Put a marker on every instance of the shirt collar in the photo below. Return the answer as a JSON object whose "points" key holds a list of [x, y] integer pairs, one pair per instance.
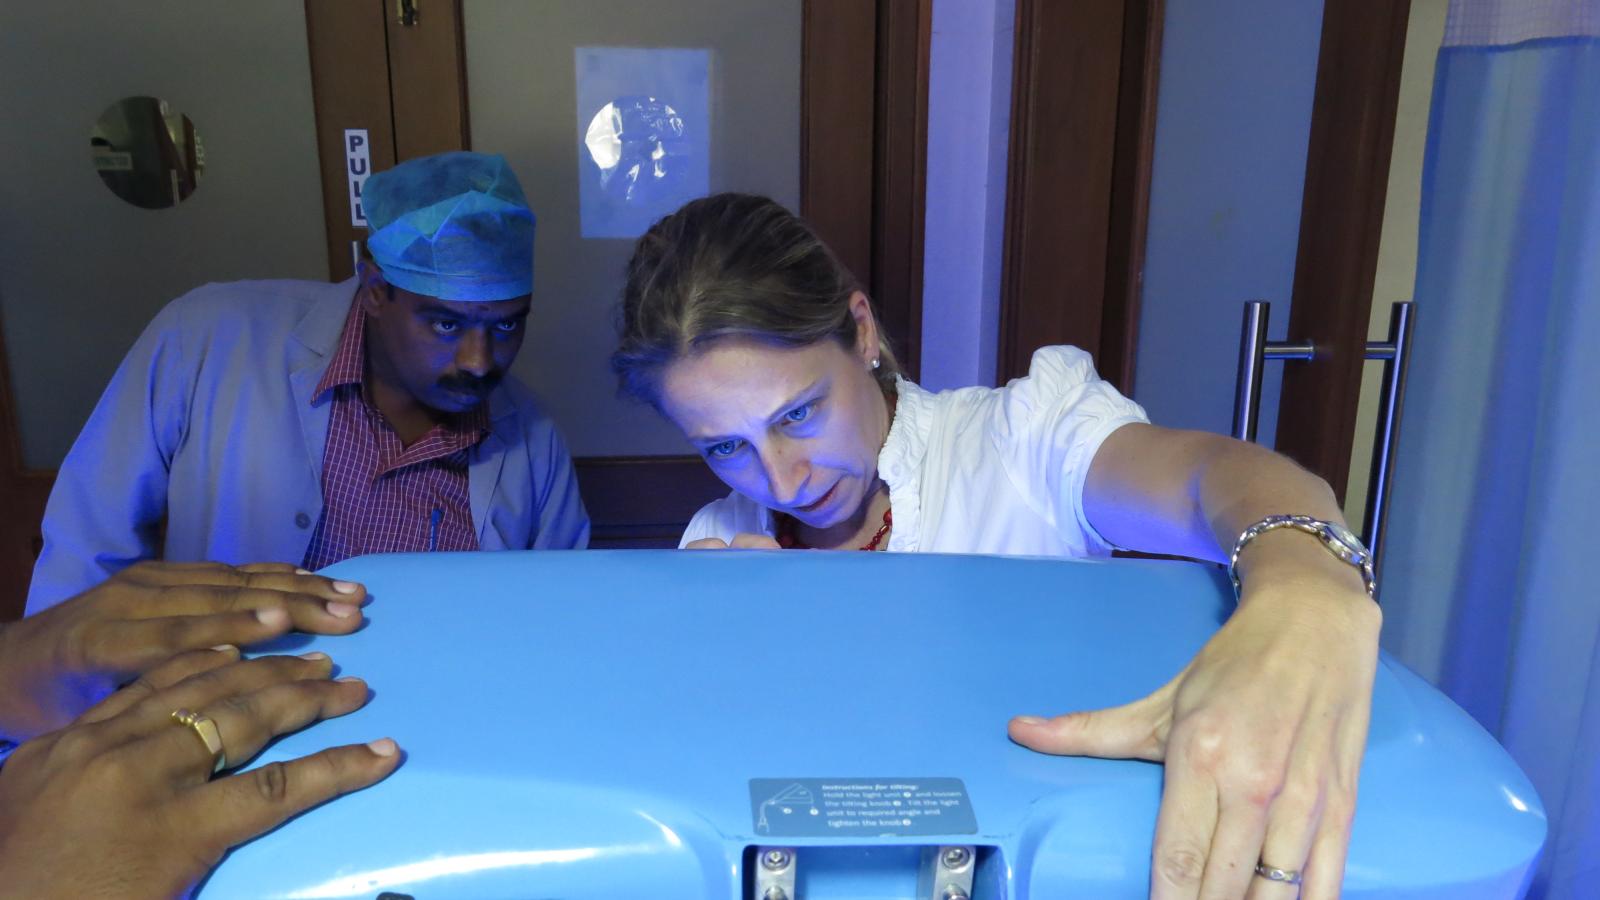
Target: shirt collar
{"points": [[346, 367], [907, 442]]}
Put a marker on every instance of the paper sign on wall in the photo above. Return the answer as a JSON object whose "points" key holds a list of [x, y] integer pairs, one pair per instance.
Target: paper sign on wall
{"points": [[358, 165], [644, 135]]}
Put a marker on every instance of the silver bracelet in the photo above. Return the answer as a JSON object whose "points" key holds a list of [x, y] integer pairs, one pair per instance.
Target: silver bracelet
{"points": [[1339, 540]]}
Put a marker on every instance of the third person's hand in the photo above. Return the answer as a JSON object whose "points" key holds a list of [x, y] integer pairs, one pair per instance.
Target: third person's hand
{"points": [[56, 663]]}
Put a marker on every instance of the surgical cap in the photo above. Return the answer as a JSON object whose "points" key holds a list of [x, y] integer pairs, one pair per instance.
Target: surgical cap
{"points": [[454, 226]]}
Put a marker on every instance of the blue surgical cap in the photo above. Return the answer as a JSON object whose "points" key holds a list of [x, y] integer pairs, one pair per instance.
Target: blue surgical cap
{"points": [[453, 226]]}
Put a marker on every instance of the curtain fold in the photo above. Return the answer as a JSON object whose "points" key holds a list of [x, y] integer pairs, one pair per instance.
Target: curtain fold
{"points": [[1492, 562]]}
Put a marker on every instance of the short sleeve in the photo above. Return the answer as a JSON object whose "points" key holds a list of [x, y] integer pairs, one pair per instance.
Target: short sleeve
{"points": [[1047, 429]]}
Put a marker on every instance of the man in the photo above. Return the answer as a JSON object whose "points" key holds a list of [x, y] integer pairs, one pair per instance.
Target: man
{"points": [[304, 423]]}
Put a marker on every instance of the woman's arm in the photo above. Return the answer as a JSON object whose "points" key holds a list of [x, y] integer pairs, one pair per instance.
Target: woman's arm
{"points": [[1262, 733], [1191, 493]]}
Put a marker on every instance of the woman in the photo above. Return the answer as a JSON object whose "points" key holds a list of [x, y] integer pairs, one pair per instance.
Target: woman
{"points": [[744, 330]]}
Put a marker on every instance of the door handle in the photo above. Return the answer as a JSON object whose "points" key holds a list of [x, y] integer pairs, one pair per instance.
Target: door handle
{"points": [[407, 10], [1255, 350], [1396, 353]]}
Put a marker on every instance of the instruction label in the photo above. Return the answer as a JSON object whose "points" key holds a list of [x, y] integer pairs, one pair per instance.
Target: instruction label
{"points": [[860, 807]]}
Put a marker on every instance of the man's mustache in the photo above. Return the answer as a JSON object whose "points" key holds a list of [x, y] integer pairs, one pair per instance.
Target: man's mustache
{"points": [[463, 382]]}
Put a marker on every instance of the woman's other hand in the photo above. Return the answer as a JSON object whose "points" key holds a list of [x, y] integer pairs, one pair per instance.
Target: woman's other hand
{"points": [[1262, 736], [741, 541]]}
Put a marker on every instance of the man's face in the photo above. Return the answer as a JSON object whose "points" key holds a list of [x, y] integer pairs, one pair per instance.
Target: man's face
{"points": [[447, 354]]}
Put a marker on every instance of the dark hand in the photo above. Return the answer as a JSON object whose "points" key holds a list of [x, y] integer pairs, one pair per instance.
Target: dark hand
{"points": [[122, 803], [54, 664]]}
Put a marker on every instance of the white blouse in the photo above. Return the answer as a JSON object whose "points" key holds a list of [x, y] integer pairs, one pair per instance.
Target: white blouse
{"points": [[982, 470]]}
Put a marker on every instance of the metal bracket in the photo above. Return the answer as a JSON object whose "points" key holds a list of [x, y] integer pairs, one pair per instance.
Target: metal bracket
{"points": [[407, 10], [947, 873], [775, 873]]}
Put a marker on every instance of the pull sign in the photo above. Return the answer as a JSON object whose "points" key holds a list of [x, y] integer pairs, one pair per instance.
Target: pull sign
{"points": [[358, 165]]}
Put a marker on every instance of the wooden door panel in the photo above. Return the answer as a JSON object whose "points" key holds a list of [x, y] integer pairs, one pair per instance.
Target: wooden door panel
{"points": [[1078, 182], [1341, 221]]}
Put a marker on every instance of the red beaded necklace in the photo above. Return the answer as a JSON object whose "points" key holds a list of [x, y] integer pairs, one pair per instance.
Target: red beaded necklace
{"points": [[788, 540]]}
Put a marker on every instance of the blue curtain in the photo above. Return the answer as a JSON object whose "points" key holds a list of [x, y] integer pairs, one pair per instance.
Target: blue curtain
{"points": [[1492, 569]]}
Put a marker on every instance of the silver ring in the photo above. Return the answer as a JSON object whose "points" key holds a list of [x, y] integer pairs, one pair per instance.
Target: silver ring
{"points": [[1272, 873]]}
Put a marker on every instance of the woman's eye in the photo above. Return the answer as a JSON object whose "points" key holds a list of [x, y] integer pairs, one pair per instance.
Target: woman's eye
{"points": [[442, 326], [723, 450], [798, 414]]}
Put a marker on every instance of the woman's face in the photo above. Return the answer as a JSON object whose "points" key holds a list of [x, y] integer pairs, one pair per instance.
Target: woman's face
{"points": [[797, 430]]}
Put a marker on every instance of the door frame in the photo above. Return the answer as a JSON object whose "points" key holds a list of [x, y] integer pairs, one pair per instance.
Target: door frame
{"points": [[23, 493], [1083, 115], [1341, 224]]}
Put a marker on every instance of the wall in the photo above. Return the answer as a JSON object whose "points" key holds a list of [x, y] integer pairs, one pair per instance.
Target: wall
{"points": [[522, 88], [969, 117], [82, 272], [1397, 250], [1232, 123]]}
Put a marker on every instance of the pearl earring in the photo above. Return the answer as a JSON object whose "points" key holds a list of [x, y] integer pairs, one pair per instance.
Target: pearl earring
{"points": [[875, 364]]}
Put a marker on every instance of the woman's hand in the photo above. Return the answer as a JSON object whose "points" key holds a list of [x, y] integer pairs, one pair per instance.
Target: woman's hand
{"points": [[56, 663], [741, 541], [122, 802], [1262, 735]]}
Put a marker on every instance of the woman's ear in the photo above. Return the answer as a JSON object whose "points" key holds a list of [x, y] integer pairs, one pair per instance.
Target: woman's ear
{"points": [[866, 327]]}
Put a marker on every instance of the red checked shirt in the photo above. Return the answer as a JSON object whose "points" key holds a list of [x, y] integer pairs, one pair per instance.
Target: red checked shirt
{"points": [[377, 495]]}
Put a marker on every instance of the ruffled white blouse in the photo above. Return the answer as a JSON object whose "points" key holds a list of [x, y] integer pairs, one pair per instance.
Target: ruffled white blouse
{"points": [[982, 470]]}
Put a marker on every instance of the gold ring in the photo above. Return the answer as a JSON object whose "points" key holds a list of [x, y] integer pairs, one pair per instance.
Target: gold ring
{"points": [[207, 730]]}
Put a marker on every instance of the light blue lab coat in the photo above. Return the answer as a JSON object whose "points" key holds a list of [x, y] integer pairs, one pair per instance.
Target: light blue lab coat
{"points": [[209, 423]]}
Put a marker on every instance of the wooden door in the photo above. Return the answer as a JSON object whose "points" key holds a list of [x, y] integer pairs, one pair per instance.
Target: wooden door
{"points": [[1077, 197], [1341, 221], [1082, 132]]}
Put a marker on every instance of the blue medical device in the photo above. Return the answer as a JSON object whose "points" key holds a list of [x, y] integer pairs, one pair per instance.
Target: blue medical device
{"points": [[810, 726]]}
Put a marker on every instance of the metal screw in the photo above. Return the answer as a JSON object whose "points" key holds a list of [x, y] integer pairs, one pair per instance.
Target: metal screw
{"points": [[954, 893], [775, 861], [777, 893], [957, 858]]}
